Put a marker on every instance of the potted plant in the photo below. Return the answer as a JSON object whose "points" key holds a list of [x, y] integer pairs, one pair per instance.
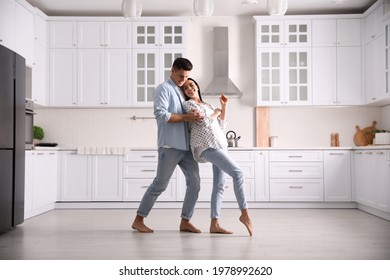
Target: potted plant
{"points": [[38, 133]]}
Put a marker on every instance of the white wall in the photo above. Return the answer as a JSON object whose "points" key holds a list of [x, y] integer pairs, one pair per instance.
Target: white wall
{"points": [[296, 127]]}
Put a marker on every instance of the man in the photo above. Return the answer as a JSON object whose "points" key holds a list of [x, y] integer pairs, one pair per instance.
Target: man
{"points": [[173, 148]]}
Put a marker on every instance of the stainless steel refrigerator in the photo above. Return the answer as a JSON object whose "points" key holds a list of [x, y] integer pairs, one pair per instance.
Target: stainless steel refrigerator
{"points": [[12, 138]]}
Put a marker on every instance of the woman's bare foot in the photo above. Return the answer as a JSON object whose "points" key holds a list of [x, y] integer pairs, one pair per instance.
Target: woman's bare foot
{"points": [[185, 225], [139, 225], [216, 228], [244, 218]]}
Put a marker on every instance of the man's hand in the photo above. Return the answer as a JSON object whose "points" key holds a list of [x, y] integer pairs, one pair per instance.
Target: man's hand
{"points": [[194, 116]]}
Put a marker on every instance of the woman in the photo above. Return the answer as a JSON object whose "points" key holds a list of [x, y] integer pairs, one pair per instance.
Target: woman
{"points": [[208, 144]]}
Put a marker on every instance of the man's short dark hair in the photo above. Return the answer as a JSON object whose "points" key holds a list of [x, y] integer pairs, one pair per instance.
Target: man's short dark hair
{"points": [[182, 63]]}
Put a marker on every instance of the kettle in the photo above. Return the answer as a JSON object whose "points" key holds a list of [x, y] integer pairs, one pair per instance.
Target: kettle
{"points": [[232, 138]]}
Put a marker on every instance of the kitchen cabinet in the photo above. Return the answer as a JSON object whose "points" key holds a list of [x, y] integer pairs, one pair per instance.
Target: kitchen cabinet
{"points": [[261, 176], [283, 76], [106, 34], [151, 67], [246, 161], [139, 169], [373, 24], [296, 176], [337, 176], [7, 23], [387, 57], [91, 177], [161, 34], [279, 33], [375, 70], [372, 179], [24, 32], [337, 62], [41, 177], [63, 34], [39, 73]]}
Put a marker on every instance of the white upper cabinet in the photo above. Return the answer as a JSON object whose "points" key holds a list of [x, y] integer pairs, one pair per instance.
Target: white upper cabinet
{"points": [[337, 32], [373, 24], [24, 33], [387, 57], [104, 35], [63, 34], [375, 70], [40, 29], [7, 23], [159, 34], [278, 33], [337, 62]]}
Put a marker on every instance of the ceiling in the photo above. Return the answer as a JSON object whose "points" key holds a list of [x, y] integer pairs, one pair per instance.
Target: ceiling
{"points": [[184, 7]]}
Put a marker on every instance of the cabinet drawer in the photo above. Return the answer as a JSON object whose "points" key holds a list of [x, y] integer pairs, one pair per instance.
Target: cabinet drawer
{"points": [[295, 156], [296, 170], [134, 189], [206, 169], [296, 190], [207, 186], [141, 170], [242, 155], [141, 156]]}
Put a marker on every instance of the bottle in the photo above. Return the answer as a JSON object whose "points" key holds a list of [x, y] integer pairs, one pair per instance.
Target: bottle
{"points": [[337, 139], [332, 140]]}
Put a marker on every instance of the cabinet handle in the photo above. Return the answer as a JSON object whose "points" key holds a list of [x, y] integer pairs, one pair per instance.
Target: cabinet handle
{"points": [[296, 170], [296, 187], [40, 154], [295, 156], [336, 154], [368, 153], [149, 170], [379, 153], [148, 156], [373, 36], [226, 187], [52, 153], [144, 187]]}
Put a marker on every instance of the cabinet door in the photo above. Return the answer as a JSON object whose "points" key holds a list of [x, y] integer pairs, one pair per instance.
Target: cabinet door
{"points": [[324, 76], [28, 186], [375, 67], [383, 184], [118, 34], [337, 176], [107, 178], [40, 30], [44, 179], [39, 76], [146, 35], [298, 76], [349, 32], [90, 77], [90, 34], [366, 182], [24, 33], [7, 23], [118, 77], [146, 77], [373, 24], [63, 34], [324, 32], [261, 176], [63, 77], [297, 33], [75, 177], [167, 58], [173, 34], [270, 76], [349, 75], [270, 33]]}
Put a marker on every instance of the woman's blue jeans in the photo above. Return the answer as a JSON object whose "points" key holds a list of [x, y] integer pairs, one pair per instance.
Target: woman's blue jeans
{"points": [[223, 163], [168, 159]]}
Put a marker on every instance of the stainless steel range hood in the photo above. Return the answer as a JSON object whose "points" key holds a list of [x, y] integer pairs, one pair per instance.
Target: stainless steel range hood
{"points": [[221, 82]]}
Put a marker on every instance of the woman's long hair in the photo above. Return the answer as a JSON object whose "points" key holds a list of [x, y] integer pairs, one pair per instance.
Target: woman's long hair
{"points": [[185, 96]]}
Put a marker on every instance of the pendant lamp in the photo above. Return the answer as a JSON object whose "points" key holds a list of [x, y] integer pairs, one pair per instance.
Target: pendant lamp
{"points": [[203, 8], [131, 9], [277, 7]]}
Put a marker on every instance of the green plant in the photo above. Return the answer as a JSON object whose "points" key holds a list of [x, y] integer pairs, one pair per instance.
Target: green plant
{"points": [[377, 131], [38, 133]]}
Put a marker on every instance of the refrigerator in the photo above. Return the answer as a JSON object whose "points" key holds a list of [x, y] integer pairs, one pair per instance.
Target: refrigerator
{"points": [[12, 138]]}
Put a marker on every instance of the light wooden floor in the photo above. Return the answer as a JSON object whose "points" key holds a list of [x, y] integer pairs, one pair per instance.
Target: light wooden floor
{"points": [[279, 234]]}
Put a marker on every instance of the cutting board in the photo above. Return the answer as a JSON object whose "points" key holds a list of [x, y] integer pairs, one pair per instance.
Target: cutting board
{"points": [[365, 136]]}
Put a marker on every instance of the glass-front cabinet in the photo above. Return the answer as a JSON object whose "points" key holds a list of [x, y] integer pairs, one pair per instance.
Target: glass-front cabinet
{"points": [[277, 33], [283, 76], [153, 66]]}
